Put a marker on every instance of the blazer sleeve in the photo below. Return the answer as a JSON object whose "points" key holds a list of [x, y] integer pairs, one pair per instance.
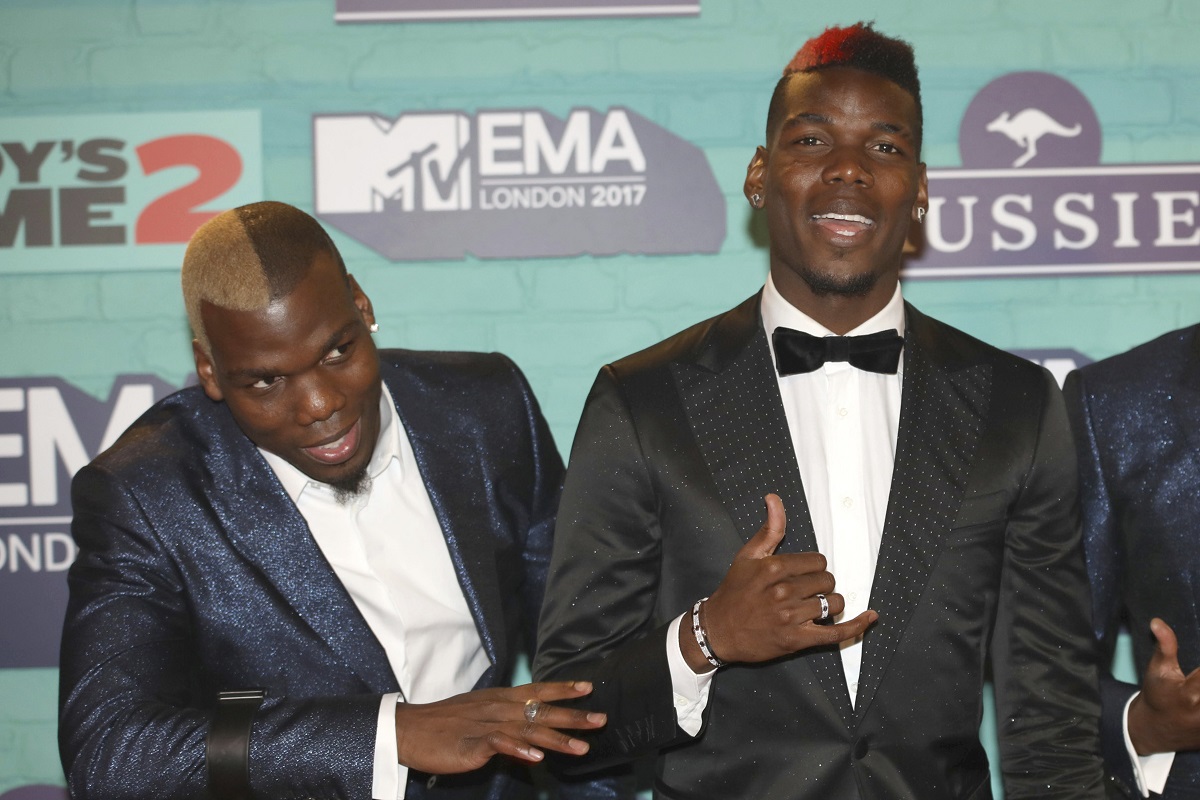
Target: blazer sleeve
{"points": [[1043, 653], [598, 619], [131, 724], [546, 469], [1103, 551]]}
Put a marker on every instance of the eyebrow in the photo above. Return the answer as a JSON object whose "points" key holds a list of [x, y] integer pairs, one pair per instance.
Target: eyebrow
{"points": [[812, 118], [330, 343]]}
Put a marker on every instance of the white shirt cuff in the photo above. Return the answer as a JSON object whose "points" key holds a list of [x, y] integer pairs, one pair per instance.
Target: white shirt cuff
{"points": [[690, 690], [388, 778], [1150, 771]]}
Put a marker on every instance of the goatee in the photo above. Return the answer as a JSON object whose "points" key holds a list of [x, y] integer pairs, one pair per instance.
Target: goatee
{"points": [[824, 284], [352, 486]]}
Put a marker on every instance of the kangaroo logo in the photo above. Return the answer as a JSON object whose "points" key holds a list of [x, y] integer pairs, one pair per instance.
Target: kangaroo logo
{"points": [[1026, 127], [1050, 122]]}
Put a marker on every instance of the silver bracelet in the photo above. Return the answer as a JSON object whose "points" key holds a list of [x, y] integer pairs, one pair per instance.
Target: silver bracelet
{"points": [[702, 637]]}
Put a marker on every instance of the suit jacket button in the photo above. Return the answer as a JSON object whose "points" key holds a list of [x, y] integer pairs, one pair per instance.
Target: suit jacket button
{"points": [[429, 784], [860, 748]]}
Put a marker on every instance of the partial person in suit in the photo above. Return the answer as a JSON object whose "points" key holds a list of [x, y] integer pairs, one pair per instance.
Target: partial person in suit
{"points": [[1136, 418], [354, 541], [932, 474]]}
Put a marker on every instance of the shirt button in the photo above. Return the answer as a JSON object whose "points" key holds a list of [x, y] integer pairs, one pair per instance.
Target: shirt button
{"points": [[681, 701], [429, 784], [847, 502], [852, 596], [843, 412]]}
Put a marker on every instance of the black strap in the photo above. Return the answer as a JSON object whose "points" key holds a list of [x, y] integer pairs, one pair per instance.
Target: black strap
{"points": [[228, 747]]}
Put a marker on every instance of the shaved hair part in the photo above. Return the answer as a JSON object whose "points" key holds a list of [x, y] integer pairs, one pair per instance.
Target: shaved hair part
{"points": [[858, 46], [247, 257]]}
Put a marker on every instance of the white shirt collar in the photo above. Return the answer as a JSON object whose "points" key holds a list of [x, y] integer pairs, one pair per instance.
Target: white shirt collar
{"points": [[388, 446]]}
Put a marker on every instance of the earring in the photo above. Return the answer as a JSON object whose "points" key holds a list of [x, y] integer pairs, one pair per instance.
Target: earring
{"points": [[920, 215], [756, 200], [373, 327]]}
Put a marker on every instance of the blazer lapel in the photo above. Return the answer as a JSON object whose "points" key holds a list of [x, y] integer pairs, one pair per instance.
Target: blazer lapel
{"points": [[731, 395], [1186, 402], [446, 465], [943, 403], [275, 537]]}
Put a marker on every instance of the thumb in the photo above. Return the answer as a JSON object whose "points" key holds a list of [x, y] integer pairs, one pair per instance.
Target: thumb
{"points": [[768, 537], [1166, 651]]}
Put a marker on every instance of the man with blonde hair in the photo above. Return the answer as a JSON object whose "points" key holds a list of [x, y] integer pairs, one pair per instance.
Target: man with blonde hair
{"points": [[302, 577]]}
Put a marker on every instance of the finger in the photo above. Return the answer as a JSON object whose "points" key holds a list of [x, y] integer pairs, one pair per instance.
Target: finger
{"points": [[834, 604], [498, 742], [844, 631], [1166, 652], [556, 717], [550, 691], [545, 738], [768, 537], [531, 741], [809, 565]]}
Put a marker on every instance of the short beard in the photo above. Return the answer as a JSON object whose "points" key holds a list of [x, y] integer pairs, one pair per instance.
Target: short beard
{"points": [[825, 284], [351, 487]]}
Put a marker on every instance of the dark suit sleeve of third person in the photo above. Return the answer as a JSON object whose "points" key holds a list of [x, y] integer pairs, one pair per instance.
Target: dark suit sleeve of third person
{"points": [[1105, 552]]}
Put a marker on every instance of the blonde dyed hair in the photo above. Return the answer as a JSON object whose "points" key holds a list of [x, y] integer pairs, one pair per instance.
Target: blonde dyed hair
{"points": [[245, 258]]}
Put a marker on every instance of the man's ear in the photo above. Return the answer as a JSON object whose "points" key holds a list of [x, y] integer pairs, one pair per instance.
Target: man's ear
{"points": [[754, 177], [922, 189], [206, 372], [362, 302]]}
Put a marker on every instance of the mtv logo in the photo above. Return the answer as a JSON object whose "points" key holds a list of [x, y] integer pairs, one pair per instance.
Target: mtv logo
{"points": [[366, 163]]}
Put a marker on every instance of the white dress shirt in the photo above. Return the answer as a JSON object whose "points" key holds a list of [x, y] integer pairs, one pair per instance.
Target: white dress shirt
{"points": [[386, 547], [843, 424], [1150, 772]]}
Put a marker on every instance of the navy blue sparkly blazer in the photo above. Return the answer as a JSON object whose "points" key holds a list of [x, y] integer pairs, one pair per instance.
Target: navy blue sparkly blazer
{"points": [[196, 573], [1137, 429]]}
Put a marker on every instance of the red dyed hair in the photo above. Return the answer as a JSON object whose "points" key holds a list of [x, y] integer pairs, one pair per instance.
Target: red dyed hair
{"points": [[858, 46]]}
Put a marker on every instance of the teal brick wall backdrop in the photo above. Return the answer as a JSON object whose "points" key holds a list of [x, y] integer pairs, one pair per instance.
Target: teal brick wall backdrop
{"points": [[706, 79]]}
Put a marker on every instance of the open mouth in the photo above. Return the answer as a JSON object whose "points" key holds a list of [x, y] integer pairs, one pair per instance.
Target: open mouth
{"points": [[338, 450], [843, 225]]}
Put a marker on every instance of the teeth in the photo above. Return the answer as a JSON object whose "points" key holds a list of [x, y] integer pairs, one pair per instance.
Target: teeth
{"points": [[845, 218], [331, 445]]}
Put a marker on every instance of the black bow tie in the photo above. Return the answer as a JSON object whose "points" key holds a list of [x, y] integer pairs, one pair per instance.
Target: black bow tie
{"points": [[797, 352]]}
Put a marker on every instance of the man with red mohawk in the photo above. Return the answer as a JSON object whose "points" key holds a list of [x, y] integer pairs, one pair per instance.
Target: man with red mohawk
{"points": [[931, 474]]}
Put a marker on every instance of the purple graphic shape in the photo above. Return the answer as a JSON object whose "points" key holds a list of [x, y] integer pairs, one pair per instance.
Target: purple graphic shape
{"points": [[35, 792], [35, 543], [673, 206], [1076, 220], [1029, 119]]}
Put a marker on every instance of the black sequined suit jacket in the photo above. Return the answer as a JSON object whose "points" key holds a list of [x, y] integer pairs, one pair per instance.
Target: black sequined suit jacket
{"points": [[980, 563], [196, 573], [1137, 429]]}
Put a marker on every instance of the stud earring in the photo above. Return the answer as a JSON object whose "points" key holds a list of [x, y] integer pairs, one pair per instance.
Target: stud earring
{"points": [[756, 200], [373, 327], [920, 215]]}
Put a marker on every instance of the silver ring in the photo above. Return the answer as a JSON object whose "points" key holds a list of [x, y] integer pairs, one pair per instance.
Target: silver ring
{"points": [[531, 709], [824, 607]]}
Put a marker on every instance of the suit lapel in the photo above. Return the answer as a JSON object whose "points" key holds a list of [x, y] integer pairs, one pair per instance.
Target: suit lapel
{"points": [[1186, 402], [943, 402], [275, 537], [446, 465], [731, 395]]}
